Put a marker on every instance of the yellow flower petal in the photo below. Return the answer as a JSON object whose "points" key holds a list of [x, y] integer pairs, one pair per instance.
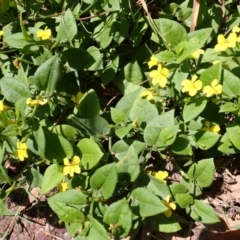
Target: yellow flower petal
{"points": [[66, 170], [153, 62], [168, 197], [66, 162], [63, 187], [76, 160], [172, 205], [231, 40], [215, 128], [1, 33], [236, 29]]}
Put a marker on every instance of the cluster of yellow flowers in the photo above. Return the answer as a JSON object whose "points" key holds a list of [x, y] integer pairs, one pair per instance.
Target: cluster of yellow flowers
{"points": [[1, 33], [21, 151], [229, 42], [35, 102], [70, 167], [193, 86], [160, 75], [44, 34]]}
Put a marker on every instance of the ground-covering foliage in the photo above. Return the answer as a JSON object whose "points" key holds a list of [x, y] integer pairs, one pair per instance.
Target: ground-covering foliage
{"points": [[102, 102]]}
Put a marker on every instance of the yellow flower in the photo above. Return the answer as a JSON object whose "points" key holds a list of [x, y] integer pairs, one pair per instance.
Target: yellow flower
{"points": [[223, 43], [153, 62], [149, 94], [236, 29], [159, 76], [21, 151], [160, 175], [31, 103], [1, 33], [170, 205], [76, 99], [44, 34], [197, 54], [3, 107], [71, 167], [63, 187], [214, 89], [191, 86], [213, 128]]}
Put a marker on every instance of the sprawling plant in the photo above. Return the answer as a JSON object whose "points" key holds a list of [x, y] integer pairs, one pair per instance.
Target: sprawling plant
{"points": [[117, 109]]}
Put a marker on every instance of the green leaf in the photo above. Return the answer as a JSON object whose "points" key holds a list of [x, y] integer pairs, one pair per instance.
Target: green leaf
{"points": [[214, 72], [165, 56], [91, 154], [110, 70], [165, 224], [206, 213], [184, 199], [184, 50], [72, 228], [178, 188], [97, 231], [231, 84], [118, 116], [47, 75], [105, 179], [51, 178], [229, 107], [66, 204], [157, 186], [161, 130], [192, 109], [67, 28], [206, 139], [64, 130], [57, 147], [226, 146], [148, 202], [202, 172], [111, 5], [168, 29], [91, 126], [123, 131], [132, 73], [97, 58], [102, 33], [34, 177], [200, 36], [16, 40], [71, 55], [89, 105], [136, 107], [128, 167], [233, 131], [38, 139], [119, 213], [10, 130], [4, 6], [3, 209], [121, 147], [13, 89], [181, 145]]}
